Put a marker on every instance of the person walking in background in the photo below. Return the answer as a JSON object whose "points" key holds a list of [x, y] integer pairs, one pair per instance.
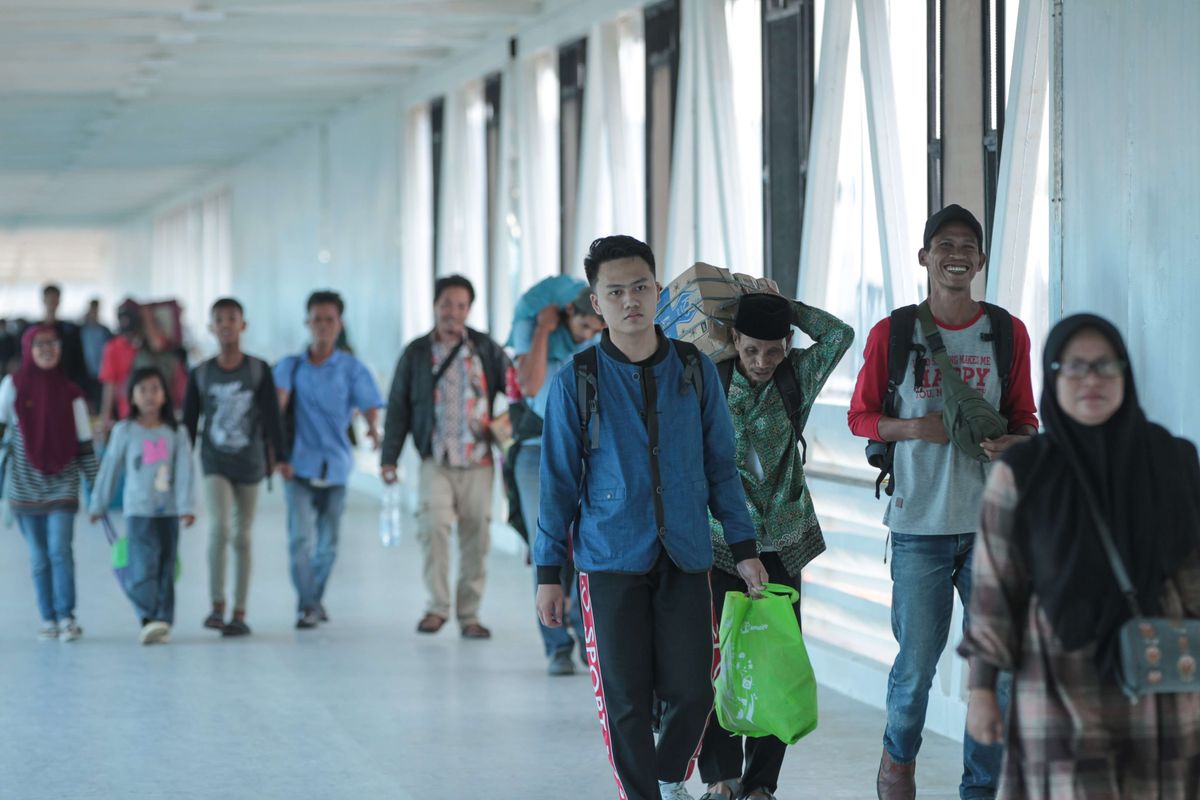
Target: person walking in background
{"points": [[242, 436], [1046, 604], [319, 390], [116, 365], [93, 335], [554, 320], [68, 333], [443, 393], [771, 389], [152, 452], [49, 440]]}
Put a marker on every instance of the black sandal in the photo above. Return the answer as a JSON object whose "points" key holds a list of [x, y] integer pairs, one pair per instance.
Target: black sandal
{"points": [[734, 786]]}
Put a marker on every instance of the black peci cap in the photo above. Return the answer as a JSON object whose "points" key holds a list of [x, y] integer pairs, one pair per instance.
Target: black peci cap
{"points": [[763, 316]]}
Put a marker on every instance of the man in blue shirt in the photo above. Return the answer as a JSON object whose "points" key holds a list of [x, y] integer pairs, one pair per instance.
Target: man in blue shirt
{"points": [[320, 390], [642, 485], [554, 320]]}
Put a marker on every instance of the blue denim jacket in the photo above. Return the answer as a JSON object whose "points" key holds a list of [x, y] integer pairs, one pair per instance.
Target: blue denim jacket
{"points": [[617, 529]]}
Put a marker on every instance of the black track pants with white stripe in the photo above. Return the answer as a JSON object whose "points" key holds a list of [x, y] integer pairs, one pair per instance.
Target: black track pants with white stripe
{"points": [[646, 635]]}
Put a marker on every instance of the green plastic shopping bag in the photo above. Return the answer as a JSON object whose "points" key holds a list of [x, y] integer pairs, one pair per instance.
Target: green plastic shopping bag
{"points": [[765, 684]]}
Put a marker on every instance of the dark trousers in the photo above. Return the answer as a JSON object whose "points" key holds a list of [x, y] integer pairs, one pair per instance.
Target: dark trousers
{"points": [[650, 635], [153, 545], [721, 758]]}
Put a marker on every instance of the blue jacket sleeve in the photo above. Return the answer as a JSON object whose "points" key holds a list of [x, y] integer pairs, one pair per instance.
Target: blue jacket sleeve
{"points": [[561, 472], [726, 498]]}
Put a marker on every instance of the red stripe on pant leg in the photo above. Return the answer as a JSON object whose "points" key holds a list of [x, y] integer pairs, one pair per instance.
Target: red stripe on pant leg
{"points": [[593, 656], [716, 664]]}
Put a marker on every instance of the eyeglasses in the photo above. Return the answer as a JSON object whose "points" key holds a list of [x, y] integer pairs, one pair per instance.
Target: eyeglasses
{"points": [[47, 344], [1077, 368]]}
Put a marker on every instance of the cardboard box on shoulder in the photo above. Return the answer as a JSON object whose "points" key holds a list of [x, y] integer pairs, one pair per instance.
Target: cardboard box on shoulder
{"points": [[699, 307]]}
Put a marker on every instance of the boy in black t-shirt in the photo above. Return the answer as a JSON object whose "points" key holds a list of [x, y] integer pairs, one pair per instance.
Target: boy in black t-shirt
{"points": [[242, 436]]}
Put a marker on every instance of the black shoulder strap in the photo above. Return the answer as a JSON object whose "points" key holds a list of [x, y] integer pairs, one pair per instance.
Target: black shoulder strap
{"points": [[793, 402], [256, 372], [586, 393], [900, 343], [1001, 338], [725, 371], [693, 372], [903, 323]]}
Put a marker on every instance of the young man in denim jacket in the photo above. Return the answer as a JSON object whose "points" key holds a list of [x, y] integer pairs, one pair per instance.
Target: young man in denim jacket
{"points": [[663, 457]]}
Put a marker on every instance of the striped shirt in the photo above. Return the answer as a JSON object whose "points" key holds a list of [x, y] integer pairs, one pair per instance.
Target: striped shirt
{"points": [[29, 491]]}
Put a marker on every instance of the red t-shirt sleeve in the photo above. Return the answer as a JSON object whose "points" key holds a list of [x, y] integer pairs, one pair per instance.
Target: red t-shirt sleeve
{"points": [[866, 406], [1018, 407], [109, 368]]}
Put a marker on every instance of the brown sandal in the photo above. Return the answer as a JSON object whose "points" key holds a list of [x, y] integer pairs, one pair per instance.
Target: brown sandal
{"points": [[430, 623], [473, 630]]}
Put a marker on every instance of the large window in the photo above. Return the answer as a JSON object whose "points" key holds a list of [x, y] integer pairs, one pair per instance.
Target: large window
{"points": [[788, 67], [662, 78], [572, 78]]}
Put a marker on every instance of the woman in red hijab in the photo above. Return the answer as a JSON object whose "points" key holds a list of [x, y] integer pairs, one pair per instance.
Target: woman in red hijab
{"points": [[49, 446]]}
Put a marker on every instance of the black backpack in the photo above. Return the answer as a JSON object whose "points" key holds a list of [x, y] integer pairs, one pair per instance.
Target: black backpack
{"points": [[881, 455], [587, 387], [789, 389]]}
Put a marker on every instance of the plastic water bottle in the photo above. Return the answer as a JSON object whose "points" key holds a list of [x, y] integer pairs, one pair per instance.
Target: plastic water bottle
{"points": [[389, 516]]}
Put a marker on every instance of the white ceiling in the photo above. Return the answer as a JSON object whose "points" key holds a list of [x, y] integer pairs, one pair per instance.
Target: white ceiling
{"points": [[108, 105]]}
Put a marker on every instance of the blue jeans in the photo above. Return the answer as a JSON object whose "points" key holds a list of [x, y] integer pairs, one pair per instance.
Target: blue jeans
{"points": [[527, 467], [153, 548], [49, 537], [925, 572], [314, 514]]}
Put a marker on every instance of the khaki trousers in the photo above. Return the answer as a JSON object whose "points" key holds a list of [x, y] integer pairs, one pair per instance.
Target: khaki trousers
{"points": [[449, 495], [226, 498]]}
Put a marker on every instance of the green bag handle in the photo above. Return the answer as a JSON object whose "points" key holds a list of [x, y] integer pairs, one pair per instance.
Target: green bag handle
{"points": [[781, 590]]}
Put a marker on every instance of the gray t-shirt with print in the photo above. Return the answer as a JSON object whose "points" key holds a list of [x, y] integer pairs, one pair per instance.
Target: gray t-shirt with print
{"points": [[939, 487], [231, 444]]}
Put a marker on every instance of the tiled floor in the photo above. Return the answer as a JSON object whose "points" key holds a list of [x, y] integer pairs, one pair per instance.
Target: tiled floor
{"points": [[360, 708]]}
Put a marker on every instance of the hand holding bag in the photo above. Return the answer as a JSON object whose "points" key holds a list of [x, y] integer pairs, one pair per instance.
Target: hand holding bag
{"points": [[1157, 654], [765, 685]]}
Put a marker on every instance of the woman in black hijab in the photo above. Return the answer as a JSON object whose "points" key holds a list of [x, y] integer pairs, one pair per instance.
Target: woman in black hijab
{"points": [[1045, 604]]}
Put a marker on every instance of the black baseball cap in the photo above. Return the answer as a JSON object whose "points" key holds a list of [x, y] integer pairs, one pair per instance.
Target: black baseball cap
{"points": [[953, 213]]}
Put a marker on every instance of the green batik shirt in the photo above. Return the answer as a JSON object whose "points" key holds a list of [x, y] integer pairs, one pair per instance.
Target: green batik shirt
{"points": [[776, 493]]}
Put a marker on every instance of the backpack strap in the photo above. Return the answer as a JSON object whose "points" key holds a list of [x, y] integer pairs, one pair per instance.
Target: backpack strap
{"points": [[793, 402], [903, 323], [256, 372], [725, 371], [1001, 338], [693, 372], [586, 364]]}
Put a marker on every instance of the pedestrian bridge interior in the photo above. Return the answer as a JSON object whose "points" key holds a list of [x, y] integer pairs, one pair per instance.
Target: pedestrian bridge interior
{"points": [[264, 149]]}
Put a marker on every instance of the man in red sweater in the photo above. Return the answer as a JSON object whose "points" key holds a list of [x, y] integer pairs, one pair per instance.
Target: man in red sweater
{"points": [[936, 487]]}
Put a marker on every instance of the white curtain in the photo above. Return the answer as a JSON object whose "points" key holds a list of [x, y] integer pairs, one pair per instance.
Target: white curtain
{"points": [[1019, 264], [462, 221], [612, 185], [716, 207], [536, 226], [417, 225], [191, 258]]}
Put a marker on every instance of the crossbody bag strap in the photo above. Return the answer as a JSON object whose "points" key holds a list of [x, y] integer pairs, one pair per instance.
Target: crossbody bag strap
{"points": [[929, 329], [1110, 550], [445, 365]]}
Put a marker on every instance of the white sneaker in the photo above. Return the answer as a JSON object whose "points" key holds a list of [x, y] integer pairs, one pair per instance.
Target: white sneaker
{"points": [[155, 632], [48, 631], [674, 791], [69, 630]]}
